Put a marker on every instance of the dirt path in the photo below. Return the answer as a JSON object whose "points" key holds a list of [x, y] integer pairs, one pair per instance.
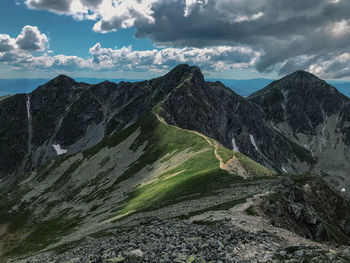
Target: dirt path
{"points": [[254, 223], [212, 143]]}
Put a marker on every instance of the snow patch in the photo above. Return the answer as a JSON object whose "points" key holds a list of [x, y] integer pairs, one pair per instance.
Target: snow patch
{"points": [[234, 145], [252, 140], [58, 149], [29, 125], [28, 106], [284, 170], [343, 190]]}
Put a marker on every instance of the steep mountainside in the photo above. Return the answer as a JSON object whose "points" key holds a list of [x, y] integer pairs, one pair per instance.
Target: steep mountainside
{"points": [[145, 167], [315, 115], [177, 163], [65, 116], [219, 113]]}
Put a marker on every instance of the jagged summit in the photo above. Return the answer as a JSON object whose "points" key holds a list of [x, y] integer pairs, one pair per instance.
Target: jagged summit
{"points": [[80, 159], [182, 71], [302, 74], [60, 83], [62, 78], [298, 83]]}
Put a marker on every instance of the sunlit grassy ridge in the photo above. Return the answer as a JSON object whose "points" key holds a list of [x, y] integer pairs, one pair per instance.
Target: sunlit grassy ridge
{"points": [[248, 164], [252, 166], [197, 176], [200, 175]]}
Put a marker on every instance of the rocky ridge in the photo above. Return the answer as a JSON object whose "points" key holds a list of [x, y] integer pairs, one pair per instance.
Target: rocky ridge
{"points": [[177, 154]]}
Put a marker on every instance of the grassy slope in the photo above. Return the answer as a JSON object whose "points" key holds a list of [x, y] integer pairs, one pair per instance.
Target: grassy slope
{"points": [[4, 97], [248, 164], [198, 175]]}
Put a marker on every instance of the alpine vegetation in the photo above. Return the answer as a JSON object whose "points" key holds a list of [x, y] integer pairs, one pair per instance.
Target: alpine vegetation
{"points": [[175, 169]]}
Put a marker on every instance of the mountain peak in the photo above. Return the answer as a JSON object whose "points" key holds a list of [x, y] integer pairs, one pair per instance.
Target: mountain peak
{"points": [[301, 75], [62, 77], [184, 70], [61, 82]]}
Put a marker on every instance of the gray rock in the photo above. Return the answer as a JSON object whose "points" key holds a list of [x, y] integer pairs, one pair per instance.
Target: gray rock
{"points": [[134, 256]]}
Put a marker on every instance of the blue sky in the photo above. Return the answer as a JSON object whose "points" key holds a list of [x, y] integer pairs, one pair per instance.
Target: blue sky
{"points": [[132, 39], [67, 36]]}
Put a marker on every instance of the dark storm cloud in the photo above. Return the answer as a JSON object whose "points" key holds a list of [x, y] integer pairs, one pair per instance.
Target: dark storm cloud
{"points": [[289, 34], [52, 5], [282, 30], [91, 3]]}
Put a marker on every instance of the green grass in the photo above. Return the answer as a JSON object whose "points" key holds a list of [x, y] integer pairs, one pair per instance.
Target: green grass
{"points": [[160, 140], [222, 206], [197, 177], [250, 211], [301, 178], [337, 235], [200, 175], [303, 154], [43, 234], [225, 154], [251, 166], [4, 97]]}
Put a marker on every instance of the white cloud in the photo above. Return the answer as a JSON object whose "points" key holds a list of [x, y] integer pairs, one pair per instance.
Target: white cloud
{"points": [[339, 29], [111, 14], [218, 57], [338, 66], [280, 31], [6, 43], [20, 56], [31, 39]]}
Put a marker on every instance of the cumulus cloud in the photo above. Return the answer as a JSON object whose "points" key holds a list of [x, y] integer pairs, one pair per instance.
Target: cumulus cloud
{"points": [[211, 58], [17, 51], [127, 59], [289, 33], [337, 67], [6, 43], [31, 39]]}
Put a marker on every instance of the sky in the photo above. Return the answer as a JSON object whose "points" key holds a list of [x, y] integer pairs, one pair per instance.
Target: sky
{"points": [[135, 39]]}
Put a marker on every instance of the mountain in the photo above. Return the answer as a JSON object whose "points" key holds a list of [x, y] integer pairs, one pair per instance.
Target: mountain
{"points": [[313, 114], [138, 164], [342, 86], [244, 87], [16, 86], [220, 113], [66, 116], [173, 169]]}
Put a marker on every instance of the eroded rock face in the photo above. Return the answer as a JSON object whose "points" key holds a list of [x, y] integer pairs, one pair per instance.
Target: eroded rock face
{"points": [[13, 133], [73, 116], [218, 112], [308, 206], [294, 125], [314, 115], [302, 100]]}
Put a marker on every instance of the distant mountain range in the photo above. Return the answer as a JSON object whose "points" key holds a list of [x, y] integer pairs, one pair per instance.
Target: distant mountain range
{"points": [[175, 169], [243, 87]]}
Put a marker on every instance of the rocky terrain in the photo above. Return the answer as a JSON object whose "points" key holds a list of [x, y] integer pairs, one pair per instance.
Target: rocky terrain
{"points": [[241, 230], [174, 169], [311, 113]]}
